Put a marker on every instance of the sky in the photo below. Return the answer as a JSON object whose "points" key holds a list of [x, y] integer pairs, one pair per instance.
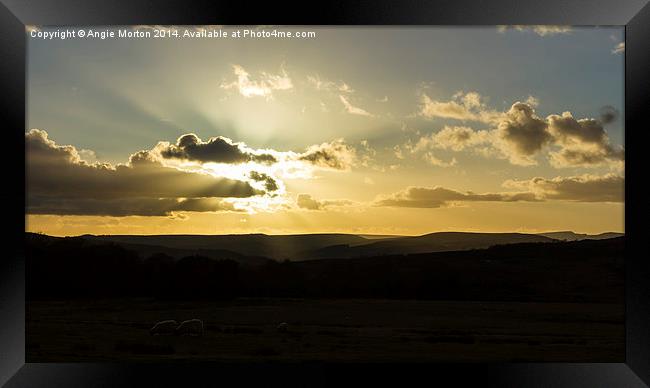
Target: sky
{"points": [[387, 130]]}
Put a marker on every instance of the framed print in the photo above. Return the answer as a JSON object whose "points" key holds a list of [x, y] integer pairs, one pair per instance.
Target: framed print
{"points": [[215, 191]]}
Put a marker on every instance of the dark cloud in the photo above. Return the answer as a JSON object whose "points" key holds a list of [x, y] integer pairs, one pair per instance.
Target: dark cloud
{"points": [[583, 142], [216, 149], [335, 155], [584, 188], [305, 201], [434, 197], [269, 183], [608, 114], [566, 129], [572, 142], [523, 131], [125, 207], [57, 176], [586, 157], [521, 135]]}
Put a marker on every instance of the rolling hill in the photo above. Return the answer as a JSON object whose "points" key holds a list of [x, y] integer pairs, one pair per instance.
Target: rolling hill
{"points": [[278, 247], [574, 271], [433, 242], [256, 249], [572, 236], [312, 246]]}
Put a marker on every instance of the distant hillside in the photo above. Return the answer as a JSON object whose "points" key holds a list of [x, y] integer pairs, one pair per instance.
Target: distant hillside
{"points": [[313, 246], [379, 236], [572, 236], [578, 271], [433, 242], [279, 247], [179, 253], [256, 249], [145, 251]]}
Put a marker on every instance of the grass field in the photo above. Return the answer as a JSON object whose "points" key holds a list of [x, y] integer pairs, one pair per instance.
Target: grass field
{"points": [[326, 330]]}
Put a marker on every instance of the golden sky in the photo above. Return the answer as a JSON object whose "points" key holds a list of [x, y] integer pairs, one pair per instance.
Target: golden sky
{"points": [[356, 130]]}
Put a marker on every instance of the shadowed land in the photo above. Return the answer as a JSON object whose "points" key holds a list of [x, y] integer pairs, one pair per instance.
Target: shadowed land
{"points": [[342, 330], [533, 301]]}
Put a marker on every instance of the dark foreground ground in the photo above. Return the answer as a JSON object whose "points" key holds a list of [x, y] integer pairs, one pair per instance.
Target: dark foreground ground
{"points": [[326, 330]]}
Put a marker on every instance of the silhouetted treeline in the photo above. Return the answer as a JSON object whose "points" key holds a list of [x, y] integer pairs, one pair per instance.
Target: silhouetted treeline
{"points": [[72, 267], [568, 271]]}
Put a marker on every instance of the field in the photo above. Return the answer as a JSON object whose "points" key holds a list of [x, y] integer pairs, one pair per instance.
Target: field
{"points": [[340, 330]]}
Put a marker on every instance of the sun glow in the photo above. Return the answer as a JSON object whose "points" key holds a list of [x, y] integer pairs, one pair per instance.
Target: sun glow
{"points": [[289, 138]]}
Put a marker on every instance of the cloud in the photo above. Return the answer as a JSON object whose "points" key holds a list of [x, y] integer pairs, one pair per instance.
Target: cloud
{"points": [[435, 197], [517, 134], [532, 101], [190, 175], [583, 188], [122, 207], [216, 149], [450, 109], [398, 152], [463, 106], [305, 201], [520, 135], [269, 183], [353, 109], [366, 154], [59, 181], [87, 155], [583, 142], [340, 89], [608, 114], [455, 138], [587, 156], [541, 30], [333, 155], [568, 130], [264, 86], [432, 159], [329, 86], [544, 30], [619, 48]]}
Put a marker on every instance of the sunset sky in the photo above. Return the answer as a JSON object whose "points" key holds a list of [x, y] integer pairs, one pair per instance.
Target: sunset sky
{"points": [[357, 130]]}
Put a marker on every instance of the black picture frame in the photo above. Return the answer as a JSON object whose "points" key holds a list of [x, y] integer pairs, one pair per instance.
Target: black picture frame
{"points": [[15, 14]]}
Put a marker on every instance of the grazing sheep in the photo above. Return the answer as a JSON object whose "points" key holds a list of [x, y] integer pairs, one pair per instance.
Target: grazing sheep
{"points": [[167, 327], [283, 327], [191, 327]]}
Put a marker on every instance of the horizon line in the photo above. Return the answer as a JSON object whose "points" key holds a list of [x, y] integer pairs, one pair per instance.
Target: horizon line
{"points": [[331, 233]]}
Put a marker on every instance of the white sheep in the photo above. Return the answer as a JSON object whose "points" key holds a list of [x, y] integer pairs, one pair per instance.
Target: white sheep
{"points": [[167, 327], [191, 327], [283, 327]]}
